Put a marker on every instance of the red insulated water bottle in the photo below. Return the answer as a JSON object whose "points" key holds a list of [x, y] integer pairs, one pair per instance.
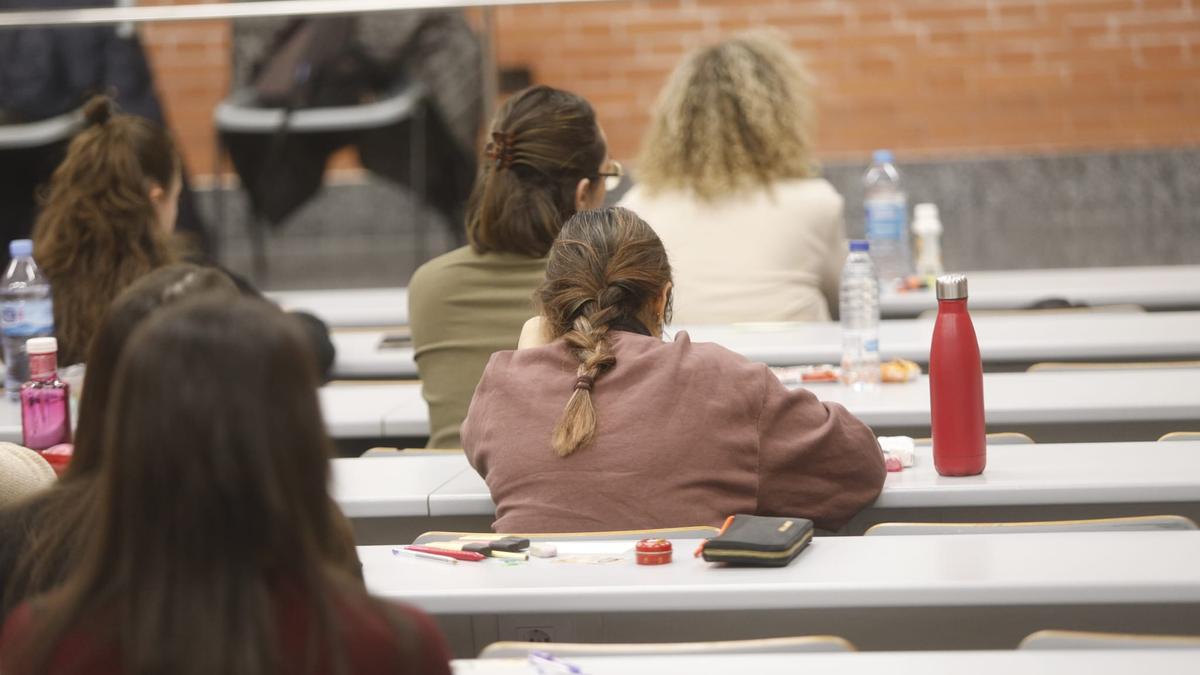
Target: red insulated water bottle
{"points": [[956, 384]]}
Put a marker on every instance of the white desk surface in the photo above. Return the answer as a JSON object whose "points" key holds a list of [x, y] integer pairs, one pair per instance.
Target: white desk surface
{"points": [[1163, 286], [349, 307], [1040, 398], [10, 419], [387, 486], [1045, 473], [927, 571], [359, 355], [1007, 338], [1068, 397], [358, 409], [1011, 339], [1032, 662]]}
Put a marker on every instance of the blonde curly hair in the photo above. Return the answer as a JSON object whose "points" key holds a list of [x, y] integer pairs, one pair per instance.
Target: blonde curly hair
{"points": [[733, 117]]}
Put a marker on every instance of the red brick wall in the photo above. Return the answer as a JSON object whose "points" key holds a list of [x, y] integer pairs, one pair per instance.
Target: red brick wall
{"points": [[928, 76], [938, 77], [191, 63]]}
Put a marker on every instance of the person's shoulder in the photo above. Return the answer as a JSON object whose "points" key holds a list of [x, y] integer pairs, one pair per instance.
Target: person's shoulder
{"points": [[808, 190], [697, 357], [15, 632], [407, 634], [433, 270]]}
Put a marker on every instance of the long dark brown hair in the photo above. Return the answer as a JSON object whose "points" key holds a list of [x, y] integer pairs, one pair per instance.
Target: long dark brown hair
{"points": [[54, 531], [98, 229], [607, 268], [542, 142], [211, 501]]}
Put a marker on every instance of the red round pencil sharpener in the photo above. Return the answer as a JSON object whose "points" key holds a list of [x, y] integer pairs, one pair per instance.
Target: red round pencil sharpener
{"points": [[653, 552]]}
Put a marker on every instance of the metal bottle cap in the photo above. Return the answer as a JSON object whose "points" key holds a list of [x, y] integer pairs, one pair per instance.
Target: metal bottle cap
{"points": [[952, 287]]}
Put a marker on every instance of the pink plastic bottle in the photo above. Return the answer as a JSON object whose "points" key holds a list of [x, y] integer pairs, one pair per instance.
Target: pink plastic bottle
{"points": [[956, 384], [45, 402]]}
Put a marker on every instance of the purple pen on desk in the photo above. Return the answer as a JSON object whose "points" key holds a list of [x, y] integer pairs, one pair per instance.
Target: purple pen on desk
{"points": [[549, 664]]}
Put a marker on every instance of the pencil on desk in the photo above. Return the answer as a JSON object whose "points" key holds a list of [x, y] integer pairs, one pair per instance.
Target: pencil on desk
{"points": [[423, 555]]}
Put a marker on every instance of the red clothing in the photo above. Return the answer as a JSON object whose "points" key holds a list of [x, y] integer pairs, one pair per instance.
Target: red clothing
{"points": [[687, 434], [374, 644]]}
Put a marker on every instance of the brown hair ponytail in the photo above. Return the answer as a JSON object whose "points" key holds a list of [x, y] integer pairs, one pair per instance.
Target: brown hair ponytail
{"points": [[541, 143], [98, 229], [607, 268]]}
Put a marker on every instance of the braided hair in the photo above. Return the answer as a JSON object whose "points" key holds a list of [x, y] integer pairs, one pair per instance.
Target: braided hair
{"points": [[607, 268]]}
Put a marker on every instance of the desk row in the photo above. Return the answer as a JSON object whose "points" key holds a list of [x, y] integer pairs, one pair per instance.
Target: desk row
{"points": [[1050, 406], [393, 499], [983, 591], [1007, 342], [1155, 287], [1164, 662]]}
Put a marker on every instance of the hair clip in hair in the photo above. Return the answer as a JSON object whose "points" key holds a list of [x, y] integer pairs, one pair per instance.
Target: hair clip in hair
{"points": [[585, 382], [500, 149]]}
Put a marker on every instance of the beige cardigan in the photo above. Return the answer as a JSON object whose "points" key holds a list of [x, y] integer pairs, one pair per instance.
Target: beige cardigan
{"points": [[773, 255], [22, 473], [687, 434]]}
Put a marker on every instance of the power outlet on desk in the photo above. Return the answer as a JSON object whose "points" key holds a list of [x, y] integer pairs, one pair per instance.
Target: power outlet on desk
{"points": [[535, 633]]}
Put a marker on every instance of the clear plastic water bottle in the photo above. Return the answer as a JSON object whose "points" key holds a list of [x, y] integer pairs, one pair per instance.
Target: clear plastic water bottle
{"points": [[887, 219], [26, 311], [859, 309]]}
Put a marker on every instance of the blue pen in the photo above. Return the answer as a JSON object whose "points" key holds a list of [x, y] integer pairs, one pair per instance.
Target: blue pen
{"points": [[546, 664]]}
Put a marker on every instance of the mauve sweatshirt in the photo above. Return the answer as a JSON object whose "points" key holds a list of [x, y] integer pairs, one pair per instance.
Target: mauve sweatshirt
{"points": [[687, 434]]}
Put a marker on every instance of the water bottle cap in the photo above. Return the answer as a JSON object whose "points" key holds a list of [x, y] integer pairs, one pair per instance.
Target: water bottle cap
{"points": [[882, 156], [925, 210], [20, 247], [952, 287], [860, 246], [41, 345]]}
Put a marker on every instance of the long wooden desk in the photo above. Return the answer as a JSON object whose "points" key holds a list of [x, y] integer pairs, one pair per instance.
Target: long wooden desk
{"points": [[394, 499], [1005, 342], [1112, 662], [1052, 406], [1153, 287], [916, 592]]}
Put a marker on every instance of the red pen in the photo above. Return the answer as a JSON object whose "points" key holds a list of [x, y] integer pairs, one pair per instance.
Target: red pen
{"points": [[457, 555]]}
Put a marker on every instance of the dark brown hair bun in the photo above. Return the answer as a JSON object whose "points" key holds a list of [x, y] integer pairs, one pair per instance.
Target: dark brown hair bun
{"points": [[99, 110]]}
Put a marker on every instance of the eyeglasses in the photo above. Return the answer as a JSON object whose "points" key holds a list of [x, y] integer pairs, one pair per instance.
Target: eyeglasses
{"points": [[612, 177]]}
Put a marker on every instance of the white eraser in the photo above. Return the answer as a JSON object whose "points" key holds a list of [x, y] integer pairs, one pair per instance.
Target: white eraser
{"points": [[542, 550], [900, 447]]}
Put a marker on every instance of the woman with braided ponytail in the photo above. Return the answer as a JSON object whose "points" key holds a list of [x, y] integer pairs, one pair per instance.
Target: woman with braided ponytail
{"points": [[545, 159], [597, 423]]}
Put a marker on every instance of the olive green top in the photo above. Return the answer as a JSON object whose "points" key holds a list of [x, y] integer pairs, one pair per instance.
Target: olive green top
{"points": [[462, 307]]}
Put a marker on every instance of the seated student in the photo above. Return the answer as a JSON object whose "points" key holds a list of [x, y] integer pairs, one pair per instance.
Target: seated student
{"points": [[545, 160], [209, 539], [107, 218], [38, 534], [727, 178], [608, 427]]}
